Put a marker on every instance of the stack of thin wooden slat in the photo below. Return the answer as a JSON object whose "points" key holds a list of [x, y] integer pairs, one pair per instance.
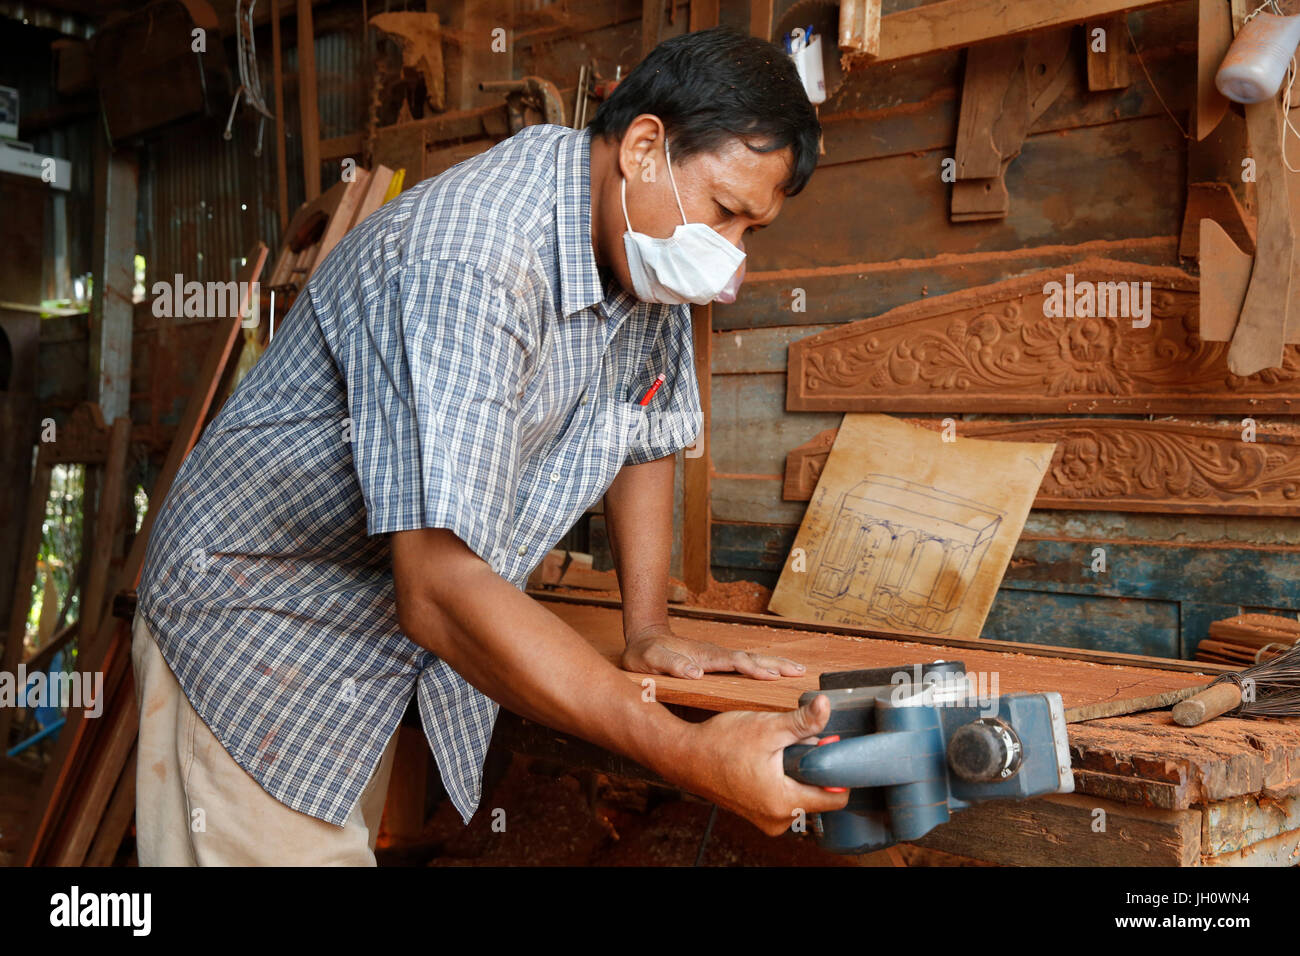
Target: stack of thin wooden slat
{"points": [[1248, 639]]}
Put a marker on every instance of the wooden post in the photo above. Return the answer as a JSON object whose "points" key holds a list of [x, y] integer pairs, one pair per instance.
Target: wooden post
{"points": [[93, 601], [697, 512], [307, 104], [760, 18], [652, 15], [697, 463], [1108, 67], [23, 580], [116, 184], [281, 163]]}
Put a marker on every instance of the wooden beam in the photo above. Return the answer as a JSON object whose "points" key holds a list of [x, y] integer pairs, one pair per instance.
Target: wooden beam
{"points": [[307, 102], [116, 185], [1107, 66], [697, 464], [652, 16], [760, 18], [24, 578], [704, 14], [107, 517], [951, 24], [277, 80], [772, 622]]}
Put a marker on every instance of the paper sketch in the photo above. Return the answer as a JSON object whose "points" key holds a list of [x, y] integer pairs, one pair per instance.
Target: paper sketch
{"points": [[907, 532]]}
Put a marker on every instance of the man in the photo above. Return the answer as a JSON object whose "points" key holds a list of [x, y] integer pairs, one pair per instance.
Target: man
{"points": [[460, 380]]}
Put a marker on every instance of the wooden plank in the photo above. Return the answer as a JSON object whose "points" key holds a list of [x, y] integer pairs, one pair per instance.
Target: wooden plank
{"points": [[1123, 465], [1014, 834], [757, 350], [1225, 277], [1107, 53], [277, 81], [107, 518], [697, 463], [760, 18], [949, 24], [24, 578], [117, 818], [1259, 341], [110, 652], [652, 16], [354, 193], [772, 623], [376, 188], [1213, 37], [117, 177], [955, 352], [704, 14], [1079, 683], [1281, 850], [308, 107], [103, 767], [1229, 826]]}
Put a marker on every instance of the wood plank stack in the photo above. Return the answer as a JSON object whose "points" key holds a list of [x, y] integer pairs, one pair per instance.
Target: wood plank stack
{"points": [[1226, 793], [1248, 639]]}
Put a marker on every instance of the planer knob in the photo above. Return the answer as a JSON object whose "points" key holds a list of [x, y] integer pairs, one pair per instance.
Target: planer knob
{"points": [[984, 751]]}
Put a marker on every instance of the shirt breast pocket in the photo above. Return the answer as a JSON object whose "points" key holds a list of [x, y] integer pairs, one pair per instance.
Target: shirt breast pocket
{"points": [[617, 429]]}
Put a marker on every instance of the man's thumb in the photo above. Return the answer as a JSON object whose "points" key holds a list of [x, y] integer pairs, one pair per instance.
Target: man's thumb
{"points": [[811, 717]]}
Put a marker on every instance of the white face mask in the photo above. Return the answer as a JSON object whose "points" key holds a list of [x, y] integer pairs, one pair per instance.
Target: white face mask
{"points": [[695, 264]]}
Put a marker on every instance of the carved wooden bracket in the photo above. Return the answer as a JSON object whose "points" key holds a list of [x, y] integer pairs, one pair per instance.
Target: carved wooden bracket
{"points": [[1008, 84], [993, 349], [1118, 465]]}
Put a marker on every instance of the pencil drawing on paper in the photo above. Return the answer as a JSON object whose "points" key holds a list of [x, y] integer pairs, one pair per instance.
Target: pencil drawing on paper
{"points": [[901, 554]]}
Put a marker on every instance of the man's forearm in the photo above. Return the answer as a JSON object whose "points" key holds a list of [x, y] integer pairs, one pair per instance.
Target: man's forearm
{"points": [[639, 521], [528, 660]]}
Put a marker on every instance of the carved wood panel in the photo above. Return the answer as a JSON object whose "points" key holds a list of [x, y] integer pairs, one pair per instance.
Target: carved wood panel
{"points": [[995, 349], [1117, 465]]}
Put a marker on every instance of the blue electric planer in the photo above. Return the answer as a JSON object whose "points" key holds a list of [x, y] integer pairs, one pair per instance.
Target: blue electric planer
{"points": [[916, 744]]}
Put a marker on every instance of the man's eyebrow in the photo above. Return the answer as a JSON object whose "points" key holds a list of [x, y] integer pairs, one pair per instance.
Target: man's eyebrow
{"points": [[734, 203]]}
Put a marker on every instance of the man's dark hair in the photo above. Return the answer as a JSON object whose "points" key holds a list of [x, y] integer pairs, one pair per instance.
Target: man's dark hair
{"points": [[714, 85]]}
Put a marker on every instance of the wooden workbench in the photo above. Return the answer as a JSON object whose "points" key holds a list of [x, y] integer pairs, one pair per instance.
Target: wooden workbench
{"points": [[1147, 792]]}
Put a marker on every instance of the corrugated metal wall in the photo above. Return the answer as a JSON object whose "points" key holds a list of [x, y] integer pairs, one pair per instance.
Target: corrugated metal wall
{"points": [[205, 200]]}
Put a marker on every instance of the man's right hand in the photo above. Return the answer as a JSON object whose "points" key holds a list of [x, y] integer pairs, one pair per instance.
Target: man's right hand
{"points": [[738, 763]]}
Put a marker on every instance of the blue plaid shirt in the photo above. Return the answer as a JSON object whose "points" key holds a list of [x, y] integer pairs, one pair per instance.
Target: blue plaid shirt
{"points": [[454, 363]]}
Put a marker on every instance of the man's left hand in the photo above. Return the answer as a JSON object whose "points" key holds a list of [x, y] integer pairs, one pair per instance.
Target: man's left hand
{"points": [[657, 650]]}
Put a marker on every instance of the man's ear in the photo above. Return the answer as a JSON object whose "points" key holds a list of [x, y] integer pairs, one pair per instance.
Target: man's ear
{"points": [[641, 147]]}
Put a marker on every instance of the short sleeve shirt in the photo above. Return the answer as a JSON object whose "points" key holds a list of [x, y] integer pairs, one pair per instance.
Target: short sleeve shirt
{"points": [[456, 362]]}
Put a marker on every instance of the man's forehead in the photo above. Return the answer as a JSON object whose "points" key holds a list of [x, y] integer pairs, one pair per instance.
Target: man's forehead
{"points": [[753, 187]]}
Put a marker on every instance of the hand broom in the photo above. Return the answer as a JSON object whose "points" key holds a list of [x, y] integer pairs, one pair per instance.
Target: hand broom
{"points": [[1271, 689]]}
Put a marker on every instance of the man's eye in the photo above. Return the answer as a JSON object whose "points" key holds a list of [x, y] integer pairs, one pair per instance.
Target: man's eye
{"points": [[725, 211]]}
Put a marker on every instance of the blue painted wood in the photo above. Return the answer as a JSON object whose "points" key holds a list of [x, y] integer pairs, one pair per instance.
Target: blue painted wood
{"points": [[1086, 621], [1152, 599]]}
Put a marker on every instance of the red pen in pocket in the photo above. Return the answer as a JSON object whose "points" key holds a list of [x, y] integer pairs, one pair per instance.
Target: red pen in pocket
{"points": [[659, 380]]}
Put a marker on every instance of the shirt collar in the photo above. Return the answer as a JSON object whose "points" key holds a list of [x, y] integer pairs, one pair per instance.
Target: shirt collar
{"points": [[580, 285]]}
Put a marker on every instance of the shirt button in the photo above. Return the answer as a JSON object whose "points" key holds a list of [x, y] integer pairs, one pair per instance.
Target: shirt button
{"points": [[584, 398], [555, 476], [523, 549]]}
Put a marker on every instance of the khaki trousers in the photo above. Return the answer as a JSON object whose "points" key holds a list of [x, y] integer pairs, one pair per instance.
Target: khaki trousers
{"points": [[195, 806]]}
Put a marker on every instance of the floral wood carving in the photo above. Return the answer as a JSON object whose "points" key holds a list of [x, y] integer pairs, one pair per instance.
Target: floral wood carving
{"points": [[992, 349], [1117, 465]]}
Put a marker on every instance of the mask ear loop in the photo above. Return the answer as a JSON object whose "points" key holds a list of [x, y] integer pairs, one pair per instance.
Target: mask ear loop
{"points": [[670, 179], [625, 219], [669, 161]]}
